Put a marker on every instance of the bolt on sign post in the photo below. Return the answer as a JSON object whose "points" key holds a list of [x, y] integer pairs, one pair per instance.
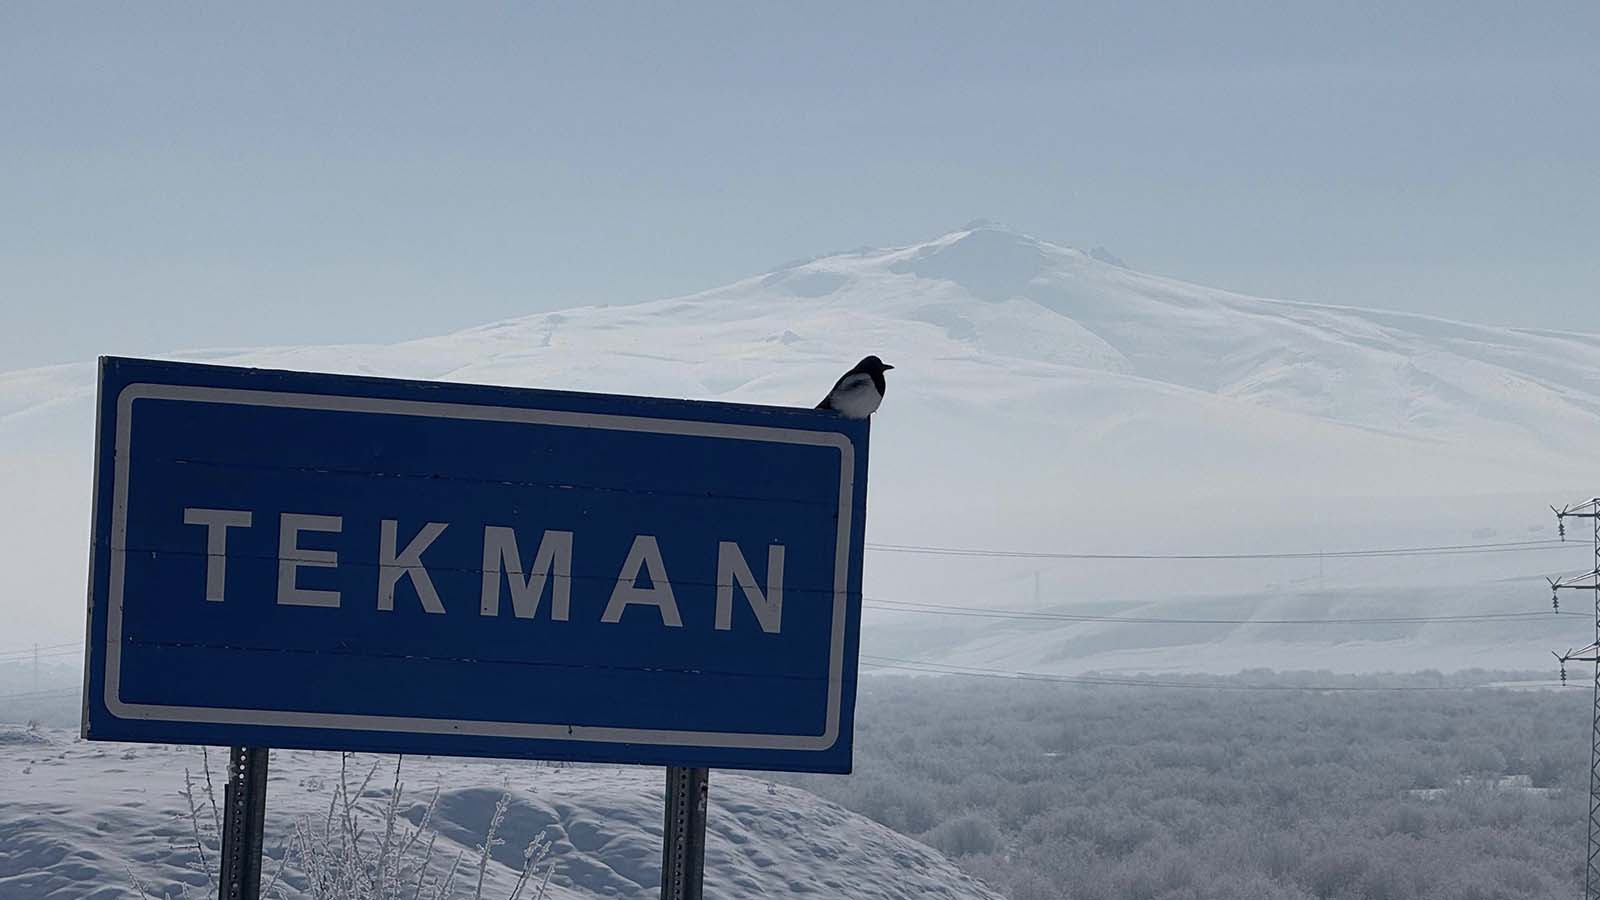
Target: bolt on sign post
{"points": [[294, 560]]}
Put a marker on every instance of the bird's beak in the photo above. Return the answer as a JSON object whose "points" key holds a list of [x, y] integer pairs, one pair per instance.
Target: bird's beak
{"points": [[887, 367]]}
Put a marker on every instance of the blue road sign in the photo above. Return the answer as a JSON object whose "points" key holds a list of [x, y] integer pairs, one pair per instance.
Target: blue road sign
{"points": [[284, 559]]}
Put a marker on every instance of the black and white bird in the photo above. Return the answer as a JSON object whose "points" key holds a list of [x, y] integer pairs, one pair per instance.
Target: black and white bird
{"points": [[858, 393]]}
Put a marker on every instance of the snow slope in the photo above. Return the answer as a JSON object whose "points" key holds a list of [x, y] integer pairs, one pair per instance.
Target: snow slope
{"points": [[76, 818], [1044, 398]]}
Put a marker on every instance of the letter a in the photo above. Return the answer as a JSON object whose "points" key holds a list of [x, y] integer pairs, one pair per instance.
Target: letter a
{"points": [[645, 554]]}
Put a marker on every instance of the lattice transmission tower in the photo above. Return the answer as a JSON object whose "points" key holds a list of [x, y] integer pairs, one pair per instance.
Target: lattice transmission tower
{"points": [[1588, 581]]}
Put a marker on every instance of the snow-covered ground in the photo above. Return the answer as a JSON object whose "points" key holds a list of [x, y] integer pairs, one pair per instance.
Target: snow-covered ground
{"points": [[1044, 399], [83, 820]]}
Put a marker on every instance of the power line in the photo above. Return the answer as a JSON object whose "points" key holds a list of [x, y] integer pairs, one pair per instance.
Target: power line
{"points": [[77, 651], [1368, 553], [933, 668], [26, 651], [73, 647], [25, 695], [58, 653], [930, 550], [914, 606], [917, 606]]}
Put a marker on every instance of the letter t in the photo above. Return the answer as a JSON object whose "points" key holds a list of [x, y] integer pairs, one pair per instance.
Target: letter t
{"points": [[217, 522]]}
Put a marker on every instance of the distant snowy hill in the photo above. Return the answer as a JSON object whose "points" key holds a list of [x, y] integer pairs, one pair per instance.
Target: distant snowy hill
{"points": [[1044, 398], [80, 820]]}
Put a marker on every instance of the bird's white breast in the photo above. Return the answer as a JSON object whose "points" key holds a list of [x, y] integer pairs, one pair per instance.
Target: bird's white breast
{"points": [[857, 397]]}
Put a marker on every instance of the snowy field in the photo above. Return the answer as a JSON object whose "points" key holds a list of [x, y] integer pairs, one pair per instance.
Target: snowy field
{"points": [[1406, 788], [81, 820]]}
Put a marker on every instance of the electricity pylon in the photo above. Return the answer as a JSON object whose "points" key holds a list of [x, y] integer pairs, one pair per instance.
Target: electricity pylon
{"points": [[1588, 581]]}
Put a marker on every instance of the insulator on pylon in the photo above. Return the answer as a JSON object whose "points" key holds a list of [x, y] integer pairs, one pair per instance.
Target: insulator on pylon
{"points": [[1555, 601], [1561, 528], [1563, 673]]}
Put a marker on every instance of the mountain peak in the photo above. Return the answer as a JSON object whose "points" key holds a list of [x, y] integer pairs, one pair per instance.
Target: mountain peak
{"points": [[987, 225], [992, 262]]}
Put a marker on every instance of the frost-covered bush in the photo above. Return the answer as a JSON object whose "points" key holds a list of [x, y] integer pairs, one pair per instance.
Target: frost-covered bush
{"points": [[966, 835], [352, 852], [1059, 792]]}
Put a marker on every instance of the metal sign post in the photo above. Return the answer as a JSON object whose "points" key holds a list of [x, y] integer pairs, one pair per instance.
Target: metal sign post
{"points": [[244, 812], [683, 835]]}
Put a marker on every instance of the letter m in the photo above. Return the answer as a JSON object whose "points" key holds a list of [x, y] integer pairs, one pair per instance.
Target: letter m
{"points": [[552, 562]]}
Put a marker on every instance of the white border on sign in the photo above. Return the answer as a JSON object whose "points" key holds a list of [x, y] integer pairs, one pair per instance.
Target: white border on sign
{"points": [[435, 410]]}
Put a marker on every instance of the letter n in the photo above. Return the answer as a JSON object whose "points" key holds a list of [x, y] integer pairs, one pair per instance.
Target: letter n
{"points": [[731, 568]]}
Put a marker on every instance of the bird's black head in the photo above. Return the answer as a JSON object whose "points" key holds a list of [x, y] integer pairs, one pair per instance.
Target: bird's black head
{"points": [[873, 364]]}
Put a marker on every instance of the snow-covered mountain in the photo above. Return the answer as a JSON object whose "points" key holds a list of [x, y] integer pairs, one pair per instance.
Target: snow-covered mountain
{"points": [[1045, 398], [79, 819]]}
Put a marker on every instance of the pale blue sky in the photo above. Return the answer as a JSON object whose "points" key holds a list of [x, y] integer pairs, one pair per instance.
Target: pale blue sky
{"points": [[201, 175]]}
